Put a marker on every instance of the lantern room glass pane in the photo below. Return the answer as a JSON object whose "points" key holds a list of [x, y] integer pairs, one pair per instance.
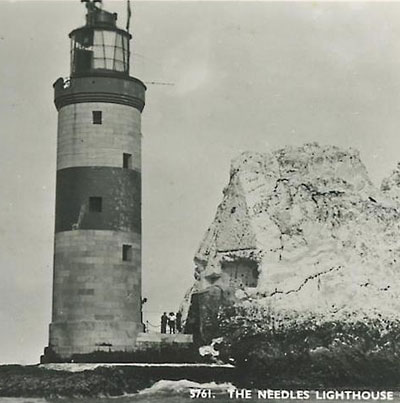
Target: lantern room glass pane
{"points": [[119, 41], [99, 64], [108, 37], [119, 66], [109, 52], [81, 51], [110, 64], [119, 55], [124, 42]]}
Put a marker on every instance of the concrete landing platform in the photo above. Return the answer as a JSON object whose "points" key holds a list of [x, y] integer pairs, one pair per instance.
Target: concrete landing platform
{"points": [[149, 338]]}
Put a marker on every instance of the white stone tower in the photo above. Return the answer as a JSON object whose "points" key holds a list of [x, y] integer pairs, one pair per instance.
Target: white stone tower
{"points": [[97, 256]]}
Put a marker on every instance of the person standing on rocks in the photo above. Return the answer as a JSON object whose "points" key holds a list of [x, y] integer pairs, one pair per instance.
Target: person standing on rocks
{"points": [[164, 321], [171, 322], [179, 322]]}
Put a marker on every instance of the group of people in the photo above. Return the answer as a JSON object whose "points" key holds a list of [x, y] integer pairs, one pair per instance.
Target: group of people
{"points": [[174, 322]]}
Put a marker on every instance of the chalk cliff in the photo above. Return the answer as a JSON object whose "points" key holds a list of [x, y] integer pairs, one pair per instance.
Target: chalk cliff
{"points": [[304, 230]]}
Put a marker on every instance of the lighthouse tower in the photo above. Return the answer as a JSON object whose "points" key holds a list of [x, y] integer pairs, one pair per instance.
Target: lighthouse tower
{"points": [[97, 248]]}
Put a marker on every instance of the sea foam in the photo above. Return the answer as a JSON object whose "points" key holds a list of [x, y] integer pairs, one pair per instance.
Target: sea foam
{"points": [[183, 386]]}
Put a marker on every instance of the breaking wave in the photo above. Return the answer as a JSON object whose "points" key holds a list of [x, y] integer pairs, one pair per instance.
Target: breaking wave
{"points": [[183, 386]]}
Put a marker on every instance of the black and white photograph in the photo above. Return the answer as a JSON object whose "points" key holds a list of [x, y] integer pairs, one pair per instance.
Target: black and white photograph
{"points": [[199, 201]]}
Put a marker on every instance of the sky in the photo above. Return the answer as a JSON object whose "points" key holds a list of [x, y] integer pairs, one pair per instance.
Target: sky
{"points": [[246, 76]]}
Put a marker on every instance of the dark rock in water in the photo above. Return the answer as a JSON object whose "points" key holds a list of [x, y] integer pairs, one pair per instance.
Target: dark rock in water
{"points": [[32, 381]]}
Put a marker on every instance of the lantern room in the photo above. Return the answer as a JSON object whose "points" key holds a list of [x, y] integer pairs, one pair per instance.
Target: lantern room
{"points": [[99, 47]]}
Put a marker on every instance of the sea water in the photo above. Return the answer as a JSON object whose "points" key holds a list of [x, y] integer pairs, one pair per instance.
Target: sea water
{"points": [[166, 391]]}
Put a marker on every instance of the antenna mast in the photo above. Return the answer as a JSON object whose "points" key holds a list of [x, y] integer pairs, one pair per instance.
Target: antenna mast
{"points": [[129, 14]]}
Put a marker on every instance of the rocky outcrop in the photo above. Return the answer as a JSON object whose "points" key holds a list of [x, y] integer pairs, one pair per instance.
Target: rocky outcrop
{"points": [[304, 230]]}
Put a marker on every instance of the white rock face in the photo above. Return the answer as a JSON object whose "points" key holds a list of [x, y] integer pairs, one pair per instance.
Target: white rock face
{"points": [[323, 238]]}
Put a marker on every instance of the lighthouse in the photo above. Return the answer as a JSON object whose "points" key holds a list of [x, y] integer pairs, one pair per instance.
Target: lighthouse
{"points": [[97, 244]]}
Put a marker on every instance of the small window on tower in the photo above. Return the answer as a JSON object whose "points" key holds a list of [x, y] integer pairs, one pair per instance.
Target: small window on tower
{"points": [[97, 117], [127, 253], [127, 161], [95, 204]]}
